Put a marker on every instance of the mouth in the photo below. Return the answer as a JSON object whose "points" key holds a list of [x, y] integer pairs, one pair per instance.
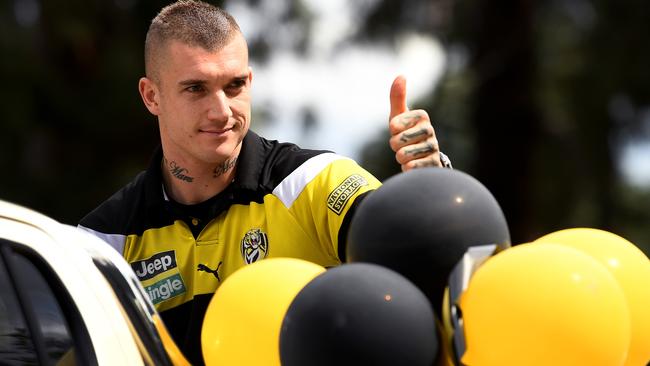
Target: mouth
{"points": [[215, 131]]}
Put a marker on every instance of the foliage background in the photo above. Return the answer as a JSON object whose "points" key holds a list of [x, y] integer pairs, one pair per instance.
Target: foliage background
{"points": [[539, 101]]}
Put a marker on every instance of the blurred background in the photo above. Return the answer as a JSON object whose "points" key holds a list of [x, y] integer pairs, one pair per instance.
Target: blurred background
{"points": [[546, 103]]}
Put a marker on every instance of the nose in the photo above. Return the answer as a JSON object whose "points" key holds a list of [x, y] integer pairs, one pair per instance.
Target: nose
{"points": [[219, 107]]}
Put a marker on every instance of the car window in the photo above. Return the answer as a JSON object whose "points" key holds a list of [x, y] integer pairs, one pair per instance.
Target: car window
{"points": [[16, 346], [50, 320], [138, 314], [54, 326]]}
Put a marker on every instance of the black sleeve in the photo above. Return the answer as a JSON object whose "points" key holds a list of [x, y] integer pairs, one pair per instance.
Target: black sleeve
{"points": [[345, 226]]}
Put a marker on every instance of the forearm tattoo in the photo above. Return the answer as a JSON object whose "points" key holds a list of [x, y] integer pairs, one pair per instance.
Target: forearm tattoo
{"points": [[428, 148], [178, 172], [224, 167], [411, 119], [406, 137]]}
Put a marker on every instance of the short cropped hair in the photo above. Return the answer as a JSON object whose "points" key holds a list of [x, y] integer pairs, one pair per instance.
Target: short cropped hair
{"points": [[191, 22]]}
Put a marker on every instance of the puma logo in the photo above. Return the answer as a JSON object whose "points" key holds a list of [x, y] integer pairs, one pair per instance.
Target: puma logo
{"points": [[215, 272]]}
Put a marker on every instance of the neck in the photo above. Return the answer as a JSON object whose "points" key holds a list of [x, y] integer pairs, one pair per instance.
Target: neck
{"points": [[189, 183]]}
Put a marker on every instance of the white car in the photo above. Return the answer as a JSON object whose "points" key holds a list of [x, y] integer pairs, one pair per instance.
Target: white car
{"points": [[67, 298]]}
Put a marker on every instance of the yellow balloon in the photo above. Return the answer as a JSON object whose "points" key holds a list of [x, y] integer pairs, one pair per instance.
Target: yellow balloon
{"points": [[242, 323], [630, 267], [541, 305]]}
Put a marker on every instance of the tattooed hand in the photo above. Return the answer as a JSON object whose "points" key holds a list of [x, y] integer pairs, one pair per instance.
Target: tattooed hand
{"points": [[412, 136]]}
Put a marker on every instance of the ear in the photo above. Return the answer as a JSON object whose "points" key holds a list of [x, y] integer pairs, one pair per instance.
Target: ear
{"points": [[150, 95], [250, 74]]}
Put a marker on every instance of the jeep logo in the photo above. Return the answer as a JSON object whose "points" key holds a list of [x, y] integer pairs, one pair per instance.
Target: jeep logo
{"points": [[154, 265]]}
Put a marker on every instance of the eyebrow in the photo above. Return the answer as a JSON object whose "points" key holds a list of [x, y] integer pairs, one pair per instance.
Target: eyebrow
{"points": [[189, 82], [192, 82]]}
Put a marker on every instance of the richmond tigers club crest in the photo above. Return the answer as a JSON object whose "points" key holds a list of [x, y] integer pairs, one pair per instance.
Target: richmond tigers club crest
{"points": [[254, 246]]}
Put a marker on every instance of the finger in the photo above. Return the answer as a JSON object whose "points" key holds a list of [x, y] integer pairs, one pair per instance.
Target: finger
{"points": [[417, 151], [398, 97], [413, 135], [432, 161], [406, 120]]}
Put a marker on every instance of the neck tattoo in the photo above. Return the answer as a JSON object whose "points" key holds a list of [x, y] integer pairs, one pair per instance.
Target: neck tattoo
{"points": [[177, 171], [224, 167]]}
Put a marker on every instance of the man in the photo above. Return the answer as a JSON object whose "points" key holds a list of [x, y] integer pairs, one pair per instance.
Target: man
{"points": [[216, 196]]}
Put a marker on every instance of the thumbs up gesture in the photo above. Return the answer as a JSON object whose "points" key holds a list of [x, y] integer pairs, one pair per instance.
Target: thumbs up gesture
{"points": [[413, 138]]}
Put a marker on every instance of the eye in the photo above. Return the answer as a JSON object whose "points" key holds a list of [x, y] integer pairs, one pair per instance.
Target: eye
{"points": [[195, 88], [236, 84]]}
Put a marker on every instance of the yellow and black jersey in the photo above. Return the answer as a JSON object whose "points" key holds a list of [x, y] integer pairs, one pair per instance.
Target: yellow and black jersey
{"points": [[284, 202]]}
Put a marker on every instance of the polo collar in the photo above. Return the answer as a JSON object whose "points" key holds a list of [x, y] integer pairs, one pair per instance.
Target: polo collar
{"points": [[250, 162], [247, 176]]}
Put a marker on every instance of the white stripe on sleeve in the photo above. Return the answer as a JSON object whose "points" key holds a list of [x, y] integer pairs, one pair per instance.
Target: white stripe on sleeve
{"points": [[291, 186]]}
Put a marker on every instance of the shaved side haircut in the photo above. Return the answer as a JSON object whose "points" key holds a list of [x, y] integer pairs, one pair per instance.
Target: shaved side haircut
{"points": [[190, 22]]}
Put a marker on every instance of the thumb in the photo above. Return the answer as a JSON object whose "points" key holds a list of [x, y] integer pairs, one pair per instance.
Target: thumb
{"points": [[398, 97]]}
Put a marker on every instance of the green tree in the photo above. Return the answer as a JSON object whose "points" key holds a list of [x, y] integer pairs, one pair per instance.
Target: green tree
{"points": [[538, 102]]}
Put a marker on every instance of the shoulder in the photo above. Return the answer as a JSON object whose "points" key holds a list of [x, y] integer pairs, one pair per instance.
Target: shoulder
{"points": [[293, 170], [265, 163], [114, 215], [285, 158], [287, 162]]}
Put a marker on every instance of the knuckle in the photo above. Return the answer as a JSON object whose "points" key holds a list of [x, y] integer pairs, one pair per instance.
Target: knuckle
{"points": [[398, 157], [410, 165], [422, 114], [435, 160], [401, 156], [433, 143], [394, 126], [393, 142]]}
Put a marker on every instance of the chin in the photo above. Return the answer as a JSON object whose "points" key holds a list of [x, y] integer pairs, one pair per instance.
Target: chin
{"points": [[223, 152]]}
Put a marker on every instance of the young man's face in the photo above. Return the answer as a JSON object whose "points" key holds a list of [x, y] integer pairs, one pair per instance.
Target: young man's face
{"points": [[204, 103]]}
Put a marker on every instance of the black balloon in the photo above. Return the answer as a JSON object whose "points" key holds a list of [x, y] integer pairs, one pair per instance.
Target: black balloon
{"points": [[420, 223], [359, 314]]}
